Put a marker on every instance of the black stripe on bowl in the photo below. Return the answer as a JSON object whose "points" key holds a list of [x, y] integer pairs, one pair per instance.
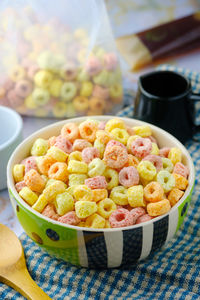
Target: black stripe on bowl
{"points": [[96, 249], [160, 230], [132, 246]]}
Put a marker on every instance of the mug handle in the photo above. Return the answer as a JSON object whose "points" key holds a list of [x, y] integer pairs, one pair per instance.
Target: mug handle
{"points": [[195, 98]]}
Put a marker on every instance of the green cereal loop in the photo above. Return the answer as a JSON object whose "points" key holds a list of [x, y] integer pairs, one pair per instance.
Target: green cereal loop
{"points": [[167, 164], [119, 195], [166, 179]]}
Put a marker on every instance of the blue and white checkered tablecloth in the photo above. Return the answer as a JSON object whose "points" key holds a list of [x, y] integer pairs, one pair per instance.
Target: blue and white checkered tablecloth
{"points": [[173, 272]]}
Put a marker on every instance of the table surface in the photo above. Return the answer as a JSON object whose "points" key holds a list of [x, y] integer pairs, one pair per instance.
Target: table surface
{"points": [[121, 14]]}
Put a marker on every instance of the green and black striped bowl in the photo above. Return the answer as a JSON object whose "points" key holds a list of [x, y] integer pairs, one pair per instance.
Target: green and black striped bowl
{"points": [[99, 248]]}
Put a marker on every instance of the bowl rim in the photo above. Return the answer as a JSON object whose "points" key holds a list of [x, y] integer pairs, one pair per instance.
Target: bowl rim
{"points": [[36, 134], [18, 128]]}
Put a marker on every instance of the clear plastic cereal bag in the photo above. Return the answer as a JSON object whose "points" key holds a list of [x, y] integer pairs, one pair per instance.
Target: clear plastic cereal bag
{"points": [[58, 58]]}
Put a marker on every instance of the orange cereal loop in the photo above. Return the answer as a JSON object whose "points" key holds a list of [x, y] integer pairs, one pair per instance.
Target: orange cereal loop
{"points": [[44, 163], [70, 131], [132, 160], [174, 196], [91, 112], [153, 192], [158, 208], [96, 104], [34, 181], [181, 182], [88, 130], [49, 211], [58, 171]]}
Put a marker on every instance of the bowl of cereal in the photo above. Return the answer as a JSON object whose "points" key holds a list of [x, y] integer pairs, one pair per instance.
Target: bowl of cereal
{"points": [[89, 191]]}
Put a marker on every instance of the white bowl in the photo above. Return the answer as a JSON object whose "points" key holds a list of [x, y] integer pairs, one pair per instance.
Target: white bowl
{"points": [[10, 137], [99, 248]]}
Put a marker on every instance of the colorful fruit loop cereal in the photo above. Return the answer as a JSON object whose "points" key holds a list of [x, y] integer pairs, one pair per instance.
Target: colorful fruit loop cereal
{"points": [[68, 179], [57, 70]]}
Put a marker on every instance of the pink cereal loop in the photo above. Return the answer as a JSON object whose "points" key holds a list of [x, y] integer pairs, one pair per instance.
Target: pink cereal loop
{"points": [[93, 65], [89, 153], [70, 131], [181, 169], [164, 152], [49, 212], [129, 176], [141, 147], [98, 182], [30, 163], [100, 92], [136, 213], [102, 125], [64, 144], [115, 157], [69, 218], [152, 139], [155, 160], [120, 218], [20, 185], [112, 143], [81, 144], [143, 218], [110, 61]]}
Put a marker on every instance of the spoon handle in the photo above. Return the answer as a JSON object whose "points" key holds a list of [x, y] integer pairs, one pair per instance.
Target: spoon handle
{"points": [[22, 282]]}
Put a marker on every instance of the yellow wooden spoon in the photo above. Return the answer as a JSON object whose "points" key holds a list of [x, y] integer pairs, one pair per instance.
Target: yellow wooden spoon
{"points": [[13, 270]]}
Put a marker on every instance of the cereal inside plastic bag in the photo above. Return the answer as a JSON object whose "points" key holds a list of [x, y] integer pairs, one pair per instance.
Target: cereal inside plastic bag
{"points": [[58, 59]]}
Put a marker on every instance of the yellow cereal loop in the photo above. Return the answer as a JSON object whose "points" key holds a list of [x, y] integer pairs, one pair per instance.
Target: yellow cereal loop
{"points": [[43, 79], [112, 178], [99, 194], [57, 154], [82, 193], [106, 207], [120, 135], [100, 146], [96, 167], [85, 209], [64, 203], [143, 131], [130, 141], [136, 196], [114, 123], [158, 208], [40, 203], [29, 196], [52, 190], [77, 179], [55, 87], [51, 181], [75, 155], [78, 167], [70, 189], [175, 155], [39, 147], [119, 195], [107, 224], [146, 170], [155, 149], [18, 172], [86, 89], [30, 103], [95, 221]]}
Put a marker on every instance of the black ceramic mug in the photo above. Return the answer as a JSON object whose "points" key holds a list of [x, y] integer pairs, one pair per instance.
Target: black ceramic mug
{"points": [[165, 99]]}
